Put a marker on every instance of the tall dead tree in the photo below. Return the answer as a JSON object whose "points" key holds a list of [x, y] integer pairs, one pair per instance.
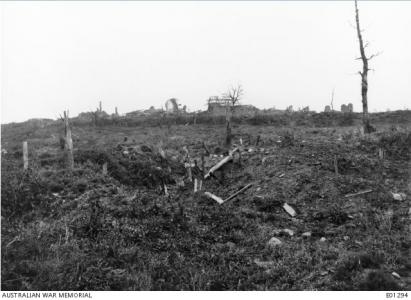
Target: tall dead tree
{"points": [[364, 74], [69, 141], [232, 97]]}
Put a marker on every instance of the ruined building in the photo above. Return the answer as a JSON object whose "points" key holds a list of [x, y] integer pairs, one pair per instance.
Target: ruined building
{"points": [[217, 107], [347, 108]]}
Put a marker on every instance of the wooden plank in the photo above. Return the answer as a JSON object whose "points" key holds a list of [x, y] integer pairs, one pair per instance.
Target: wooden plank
{"points": [[289, 210], [214, 197]]}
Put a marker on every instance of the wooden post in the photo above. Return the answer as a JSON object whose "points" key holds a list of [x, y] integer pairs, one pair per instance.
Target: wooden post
{"points": [[188, 164], [381, 153], [69, 141], [100, 107], [116, 111], [105, 169], [25, 156], [195, 185]]}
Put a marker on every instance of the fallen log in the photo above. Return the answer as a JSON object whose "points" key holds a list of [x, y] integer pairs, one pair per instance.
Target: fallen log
{"points": [[221, 163], [214, 197], [357, 194]]}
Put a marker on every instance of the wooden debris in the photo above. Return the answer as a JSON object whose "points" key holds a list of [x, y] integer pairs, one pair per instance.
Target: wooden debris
{"points": [[239, 192], [221, 163], [264, 264], [105, 169], [381, 153], [166, 191], [289, 210], [306, 234], [214, 197], [189, 174], [25, 156], [69, 141], [396, 275], [399, 196], [195, 185], [188, 164], [206, 148], [357, 194], [200, 185]]}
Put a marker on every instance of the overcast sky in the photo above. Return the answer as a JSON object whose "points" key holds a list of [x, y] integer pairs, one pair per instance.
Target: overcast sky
{"points": [[70, 55]]}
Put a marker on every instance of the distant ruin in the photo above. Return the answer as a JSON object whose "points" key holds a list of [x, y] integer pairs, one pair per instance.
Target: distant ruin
{"points": [[347, 108], [217, 107]]}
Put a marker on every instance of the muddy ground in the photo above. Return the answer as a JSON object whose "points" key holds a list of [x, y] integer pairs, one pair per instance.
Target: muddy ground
{"points": [[85, 230]]}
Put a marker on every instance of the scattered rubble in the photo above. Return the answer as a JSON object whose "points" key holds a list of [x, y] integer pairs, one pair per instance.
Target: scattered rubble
{"points": [[399, 196]]}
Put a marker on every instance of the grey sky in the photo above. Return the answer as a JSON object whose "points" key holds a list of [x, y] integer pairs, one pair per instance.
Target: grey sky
{"points": [[70, 55]]}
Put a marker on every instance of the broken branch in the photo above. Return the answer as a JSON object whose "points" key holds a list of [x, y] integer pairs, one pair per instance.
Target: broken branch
{"points": [[221, 163], [239, 192], [357, 194]]}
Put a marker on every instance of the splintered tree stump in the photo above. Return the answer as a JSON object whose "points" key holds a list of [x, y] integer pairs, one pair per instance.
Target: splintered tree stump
{"points": [[69, 141], [105, 169], [25, 156]]}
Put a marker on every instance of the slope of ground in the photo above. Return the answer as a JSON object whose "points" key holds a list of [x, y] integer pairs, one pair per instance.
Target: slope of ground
{"points": [[85, 230]]}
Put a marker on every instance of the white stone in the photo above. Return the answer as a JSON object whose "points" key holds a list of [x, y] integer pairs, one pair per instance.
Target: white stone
{"points": [[288, 231], [274, 242], [306, 234], [399, 196], [323, 239], [396, 275]]}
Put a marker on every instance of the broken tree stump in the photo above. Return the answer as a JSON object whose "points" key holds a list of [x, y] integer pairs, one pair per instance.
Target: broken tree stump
{"points": [[69, 141], [25, 156], [188, 164], [105, 169]]}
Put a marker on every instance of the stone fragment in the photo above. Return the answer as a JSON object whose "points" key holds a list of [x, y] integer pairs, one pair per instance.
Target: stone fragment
{"points": [[274, 242]]}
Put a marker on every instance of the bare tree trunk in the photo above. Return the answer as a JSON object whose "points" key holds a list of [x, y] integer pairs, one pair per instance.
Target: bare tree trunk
{"points": [[69, 142], [25, 156], [364, 76]]}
